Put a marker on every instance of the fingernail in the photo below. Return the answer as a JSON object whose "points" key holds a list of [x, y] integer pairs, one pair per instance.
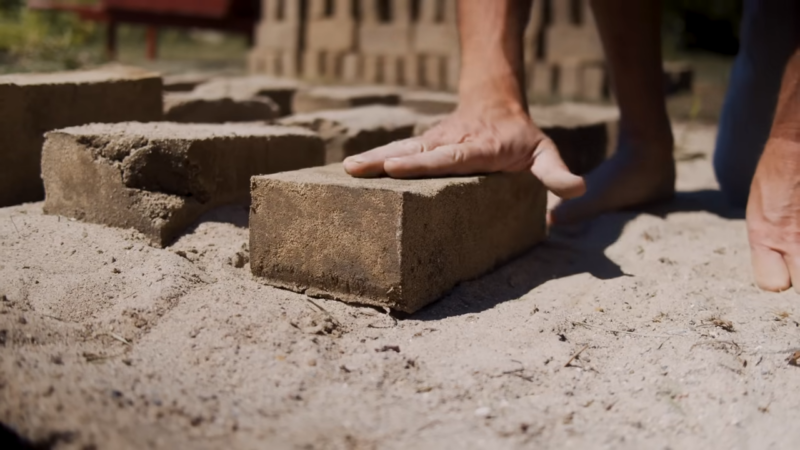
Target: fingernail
{"points": [[352, 160]]}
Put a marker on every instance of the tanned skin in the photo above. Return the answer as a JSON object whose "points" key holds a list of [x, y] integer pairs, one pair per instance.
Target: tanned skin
{"points": [[773, 209]]}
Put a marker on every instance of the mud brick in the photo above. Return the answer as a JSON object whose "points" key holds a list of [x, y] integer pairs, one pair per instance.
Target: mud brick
{"points": [[341, 97], [585, 134], [185, 82], [400, 244], [541, 80], [158, 178], [32, 104], [352, 68], [429, 102], [281, 25], [572, 42], [570, 79], [438, 72], [595, 83], [452, 71], [436, 32], [337, 31], [280, 63], [190, 107], [533, 34], [562, 12], [280, 90], [278, 39], [349, 132], [378, 36], [331, 35]]}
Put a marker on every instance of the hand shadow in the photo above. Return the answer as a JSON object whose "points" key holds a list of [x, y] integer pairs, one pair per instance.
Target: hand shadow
{"points": [[563, 255]]}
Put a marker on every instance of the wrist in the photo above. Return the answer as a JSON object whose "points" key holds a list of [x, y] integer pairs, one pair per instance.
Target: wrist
{"points": [[491, 87]]}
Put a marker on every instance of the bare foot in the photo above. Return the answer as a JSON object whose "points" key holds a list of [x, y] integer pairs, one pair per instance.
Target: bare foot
{"points": [[477, 138], [628, 179], [773, 216]]}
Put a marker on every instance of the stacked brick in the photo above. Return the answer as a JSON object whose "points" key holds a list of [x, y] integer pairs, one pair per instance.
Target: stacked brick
{"points": [[278, 39], [571, 56], [415, 43], [399, 244], [385, 46], [331, 40]]}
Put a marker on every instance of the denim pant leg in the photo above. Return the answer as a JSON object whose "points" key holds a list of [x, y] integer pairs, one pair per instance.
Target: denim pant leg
{"points": [[768, 36]]}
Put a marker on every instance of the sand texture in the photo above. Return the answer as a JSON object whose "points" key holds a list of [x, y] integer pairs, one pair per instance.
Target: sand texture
{"points": [[639, 330]]}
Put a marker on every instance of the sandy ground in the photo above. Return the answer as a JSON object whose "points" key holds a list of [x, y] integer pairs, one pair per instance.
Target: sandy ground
{"points": [[640, 330]]}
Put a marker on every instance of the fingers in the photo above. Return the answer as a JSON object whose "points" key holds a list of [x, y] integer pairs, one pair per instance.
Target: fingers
{"points": [[793, 264], [454, 159], [770, 269], [553, 173], [371, 163]]}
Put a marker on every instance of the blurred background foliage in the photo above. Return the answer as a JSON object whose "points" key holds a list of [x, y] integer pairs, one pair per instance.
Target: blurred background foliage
{"points": [[45, 39], [53, 40]]}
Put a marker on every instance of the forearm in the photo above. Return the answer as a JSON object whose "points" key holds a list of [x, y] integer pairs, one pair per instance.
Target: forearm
{"points": [[786, 124], [491, 34]]}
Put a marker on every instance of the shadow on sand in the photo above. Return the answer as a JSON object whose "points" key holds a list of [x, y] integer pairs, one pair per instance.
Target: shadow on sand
{"points": [[566, 255]]}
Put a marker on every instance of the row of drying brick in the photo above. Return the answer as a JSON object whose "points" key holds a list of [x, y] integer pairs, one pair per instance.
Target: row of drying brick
{"points": [[32, 104], [395, 243], [402, 42], [159, 177], [35, 104]]}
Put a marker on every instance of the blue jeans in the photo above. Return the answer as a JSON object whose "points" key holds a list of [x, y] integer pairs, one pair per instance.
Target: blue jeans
{"points": [[769, 35]]}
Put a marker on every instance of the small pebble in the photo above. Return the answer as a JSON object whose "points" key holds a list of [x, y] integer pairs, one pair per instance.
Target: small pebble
{"points": [[483, 411]]}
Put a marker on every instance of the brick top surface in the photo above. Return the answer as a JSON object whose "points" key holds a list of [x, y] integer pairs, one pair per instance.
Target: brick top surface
{"points": [[435, 96], [364, 117], [183, 131], [347, 92], [572, 114], [334, 175], [248, 85], [79, 77], [191, 77]]}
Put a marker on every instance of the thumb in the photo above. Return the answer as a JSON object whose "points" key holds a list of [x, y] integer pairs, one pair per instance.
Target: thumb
{"points": [[550, 169]]}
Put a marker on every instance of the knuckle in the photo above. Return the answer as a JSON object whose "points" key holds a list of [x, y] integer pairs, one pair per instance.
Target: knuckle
{"points": [[457, 155]]}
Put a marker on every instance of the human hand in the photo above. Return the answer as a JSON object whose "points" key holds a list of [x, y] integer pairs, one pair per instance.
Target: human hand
{"points": [[773, 216], [474, 139]]}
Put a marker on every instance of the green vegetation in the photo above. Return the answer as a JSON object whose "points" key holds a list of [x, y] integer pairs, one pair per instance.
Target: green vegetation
{"points": [[58, 40], [44, 40]]}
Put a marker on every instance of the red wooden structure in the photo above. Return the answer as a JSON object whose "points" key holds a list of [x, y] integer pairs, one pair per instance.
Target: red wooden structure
{"points": [[237, 16]]}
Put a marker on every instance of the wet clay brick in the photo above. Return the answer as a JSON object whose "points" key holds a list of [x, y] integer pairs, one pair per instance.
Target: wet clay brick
{"points": [[343, 97], [349, 132], [32, 104], [401, 244], [191, 107], [158, 178]]}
